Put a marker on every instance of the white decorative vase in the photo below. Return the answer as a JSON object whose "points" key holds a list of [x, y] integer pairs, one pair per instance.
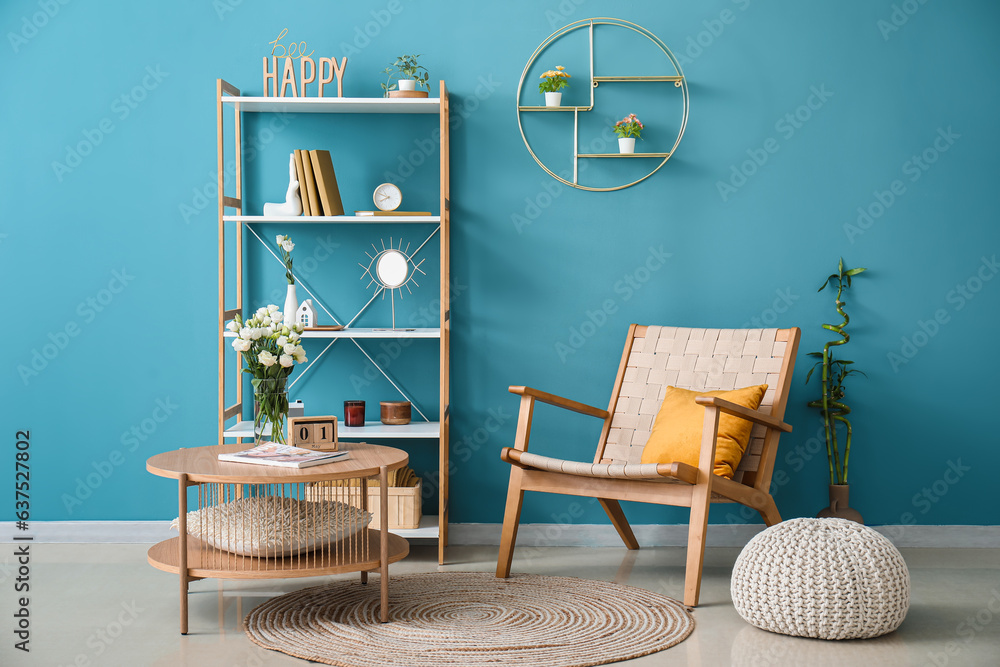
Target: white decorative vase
{"points": [[407, 84], [291, 305], [626, 145], [553, 99]]}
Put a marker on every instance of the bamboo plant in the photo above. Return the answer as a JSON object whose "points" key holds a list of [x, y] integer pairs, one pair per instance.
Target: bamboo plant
{"points": [[834, 371]]}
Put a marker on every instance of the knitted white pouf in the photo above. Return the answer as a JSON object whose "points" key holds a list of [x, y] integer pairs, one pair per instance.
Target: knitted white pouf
{"points": [[823, 578]]}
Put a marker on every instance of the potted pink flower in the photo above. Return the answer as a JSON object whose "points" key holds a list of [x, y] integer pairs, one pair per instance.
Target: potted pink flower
{"points": [[628, 130]]}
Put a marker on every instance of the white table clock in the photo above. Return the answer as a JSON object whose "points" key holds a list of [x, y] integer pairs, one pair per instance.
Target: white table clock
{"points": [[387, 197]]}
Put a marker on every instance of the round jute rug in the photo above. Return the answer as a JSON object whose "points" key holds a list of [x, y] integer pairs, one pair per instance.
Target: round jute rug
{"points": [[470, 618]]}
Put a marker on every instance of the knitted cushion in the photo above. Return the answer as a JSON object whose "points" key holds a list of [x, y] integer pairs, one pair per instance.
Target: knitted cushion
{"points": [[823, 578], [270, 526]]}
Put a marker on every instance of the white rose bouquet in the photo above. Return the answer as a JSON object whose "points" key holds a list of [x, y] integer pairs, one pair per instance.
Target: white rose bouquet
{"points": [[270, 349]]}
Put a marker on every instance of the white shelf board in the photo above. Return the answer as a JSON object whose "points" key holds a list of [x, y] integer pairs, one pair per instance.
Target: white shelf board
{"points": [[342, 219], [336, 104], [432, 430], [429, 529], [379, 430], [244, 429], [365, 332]]}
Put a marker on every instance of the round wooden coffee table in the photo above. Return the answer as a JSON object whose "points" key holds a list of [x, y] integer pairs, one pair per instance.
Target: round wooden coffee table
{"points": [[220, 481]]}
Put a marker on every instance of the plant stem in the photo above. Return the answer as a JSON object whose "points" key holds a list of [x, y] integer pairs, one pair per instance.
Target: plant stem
{"points": [[824, 407], [837, 473]]}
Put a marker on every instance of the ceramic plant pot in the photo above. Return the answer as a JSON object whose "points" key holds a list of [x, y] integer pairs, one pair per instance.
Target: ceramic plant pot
{"points": [[553, 99], [407, 84], [626, 145], [838, 508]]}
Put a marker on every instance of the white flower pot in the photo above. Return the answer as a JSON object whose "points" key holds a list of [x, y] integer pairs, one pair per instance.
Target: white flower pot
{"points": [[553, 99], [626, 145], [291, 305], [407, 84]]}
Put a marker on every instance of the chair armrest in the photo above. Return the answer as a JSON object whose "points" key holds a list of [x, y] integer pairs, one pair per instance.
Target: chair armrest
{"points": [[738, 410], [560, 402]]}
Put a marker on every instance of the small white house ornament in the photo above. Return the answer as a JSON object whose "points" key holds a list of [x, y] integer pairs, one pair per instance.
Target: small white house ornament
{"points": [[306, 314]]}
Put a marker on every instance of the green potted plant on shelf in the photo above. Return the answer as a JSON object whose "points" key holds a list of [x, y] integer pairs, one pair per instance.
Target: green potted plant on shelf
{"points": [[628, 130], [270, 349], [408, 74], [831, 404], [553, 81]]}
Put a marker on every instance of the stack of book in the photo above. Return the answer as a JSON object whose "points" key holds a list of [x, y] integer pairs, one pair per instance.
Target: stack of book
{"points": [[317, 183]]}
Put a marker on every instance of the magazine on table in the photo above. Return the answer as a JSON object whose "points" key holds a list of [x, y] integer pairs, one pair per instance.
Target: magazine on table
{"points": [[285, 456]]}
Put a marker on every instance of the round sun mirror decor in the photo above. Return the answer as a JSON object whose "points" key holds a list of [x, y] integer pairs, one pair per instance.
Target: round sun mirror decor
{"points": [[390, 270]]}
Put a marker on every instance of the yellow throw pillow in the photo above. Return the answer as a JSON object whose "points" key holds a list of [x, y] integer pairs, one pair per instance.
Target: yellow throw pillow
{"points": [[677, 430]]}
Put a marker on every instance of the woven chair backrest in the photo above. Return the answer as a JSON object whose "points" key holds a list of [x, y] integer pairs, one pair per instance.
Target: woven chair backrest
{"points": [[699, 360]]}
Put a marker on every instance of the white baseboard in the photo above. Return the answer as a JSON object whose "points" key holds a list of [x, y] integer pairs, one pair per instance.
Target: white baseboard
{"points": [[90, 532], [719, 535], [535, 534]]}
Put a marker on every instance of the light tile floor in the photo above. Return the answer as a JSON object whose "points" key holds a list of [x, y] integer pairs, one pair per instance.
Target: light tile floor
{"points": [[104, 605]]}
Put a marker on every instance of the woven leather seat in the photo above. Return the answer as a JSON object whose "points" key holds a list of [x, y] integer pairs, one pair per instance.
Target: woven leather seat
{"points": [[608, 470]]}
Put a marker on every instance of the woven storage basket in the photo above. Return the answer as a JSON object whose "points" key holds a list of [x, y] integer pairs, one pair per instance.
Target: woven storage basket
{"points": [[822, 578], [404, 502]]}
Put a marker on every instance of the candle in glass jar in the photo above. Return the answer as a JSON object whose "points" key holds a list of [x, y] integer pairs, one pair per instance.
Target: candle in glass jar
{"points": [[354, 413]]}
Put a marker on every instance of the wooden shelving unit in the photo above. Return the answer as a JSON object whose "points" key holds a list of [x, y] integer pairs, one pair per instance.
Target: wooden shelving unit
{"points": [[232, 223]]}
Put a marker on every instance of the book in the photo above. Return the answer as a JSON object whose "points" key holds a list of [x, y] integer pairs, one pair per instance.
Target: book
{"points": [[326, 183], [300, 174], [284, 456], [379, 213], [314, 204]]}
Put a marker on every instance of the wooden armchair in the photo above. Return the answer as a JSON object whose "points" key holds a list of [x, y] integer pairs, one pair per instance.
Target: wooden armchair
{"points": [[656, 357]]}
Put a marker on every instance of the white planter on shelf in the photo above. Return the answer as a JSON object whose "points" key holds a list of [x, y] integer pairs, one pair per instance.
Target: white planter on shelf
{"points": [[626, 145], [291, 305], [407, 84], [553, 99]]}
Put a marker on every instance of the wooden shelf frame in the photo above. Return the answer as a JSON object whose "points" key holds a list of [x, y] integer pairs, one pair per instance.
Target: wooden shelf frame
{"points": [[231, 216]]}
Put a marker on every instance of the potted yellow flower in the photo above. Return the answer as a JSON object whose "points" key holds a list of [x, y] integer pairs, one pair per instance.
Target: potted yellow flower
{"points": [[628, 130], [553, 81]]}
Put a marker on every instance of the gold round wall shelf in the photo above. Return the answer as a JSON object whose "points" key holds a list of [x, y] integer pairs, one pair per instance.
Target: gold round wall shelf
{"points": [[677, 78]]}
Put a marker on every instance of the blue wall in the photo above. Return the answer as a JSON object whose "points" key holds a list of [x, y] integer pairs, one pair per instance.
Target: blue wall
{"points": [[111, 257]]}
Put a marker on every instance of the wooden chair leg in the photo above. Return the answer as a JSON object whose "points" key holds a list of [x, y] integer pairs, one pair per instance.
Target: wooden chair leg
{"points": [[511, 520], [700, 502], [618, 520], [769, 512]]}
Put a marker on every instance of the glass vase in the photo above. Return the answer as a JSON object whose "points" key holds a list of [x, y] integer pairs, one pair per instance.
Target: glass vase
{"points": [[270, 410]]}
